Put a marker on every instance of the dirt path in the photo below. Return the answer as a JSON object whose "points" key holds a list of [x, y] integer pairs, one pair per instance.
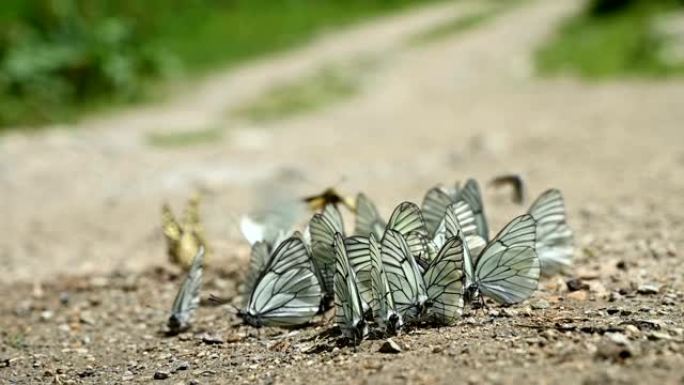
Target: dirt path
{"points": [[88, 200]]}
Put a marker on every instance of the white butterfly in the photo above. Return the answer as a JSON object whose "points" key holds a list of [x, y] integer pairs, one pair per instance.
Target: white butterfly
{"points": [[188, 297], [555, 241], [348, 304], [470, 193], [254, 232], [286, 291], [384, 312], [458, 217], [358, 253], [403, 275], [508, 269], [323, 228], [434, 205], [444, 282], [405, 219]]}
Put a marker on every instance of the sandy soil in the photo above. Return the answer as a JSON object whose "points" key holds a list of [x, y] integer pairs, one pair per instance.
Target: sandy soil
{"points": [[87, 201]]}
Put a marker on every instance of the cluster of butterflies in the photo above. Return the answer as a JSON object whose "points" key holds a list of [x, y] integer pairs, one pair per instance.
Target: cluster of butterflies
{"points": [[423, 265]]}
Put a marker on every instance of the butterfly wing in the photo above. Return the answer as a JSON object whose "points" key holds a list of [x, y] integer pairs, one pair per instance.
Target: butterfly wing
{"points": [[471, 195], [403, 275], [258, 261], [358, 253], [368, 219], [444, 280], [323, 228], [434, 206], [407, 218], [348, 303], [422, 249], [252, 230], [170, 227], [555, 240], [508, 268], [188, 297], [287, 292], [460, 217], [382, 303]]}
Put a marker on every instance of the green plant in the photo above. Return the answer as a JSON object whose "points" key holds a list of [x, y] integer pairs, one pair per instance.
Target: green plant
{"points": [[60, 58], [619, 43]]}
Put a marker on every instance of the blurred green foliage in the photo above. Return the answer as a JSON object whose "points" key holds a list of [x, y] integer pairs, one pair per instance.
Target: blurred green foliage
{"points": [[612, 38], [61, 57]]}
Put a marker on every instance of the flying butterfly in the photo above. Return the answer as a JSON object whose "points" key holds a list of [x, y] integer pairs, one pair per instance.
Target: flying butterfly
{"points": [[183, 238], [403, 275], [444, 283], [322, 229], [555, 240], [329, 196], [286, 292], [507, 269], [516, 182], [349, 315], [387, 319], [188, 297]]}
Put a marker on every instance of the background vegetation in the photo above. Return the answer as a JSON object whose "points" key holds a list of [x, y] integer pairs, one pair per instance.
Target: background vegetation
{"points": [[61, 57], [612, 38]]}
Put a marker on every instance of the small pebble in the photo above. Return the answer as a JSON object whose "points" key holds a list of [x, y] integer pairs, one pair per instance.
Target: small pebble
{"points": [[389, 346], [580, 295], [540, 304], [212, 339], [161, 375], [648, 289], [575, 284]]}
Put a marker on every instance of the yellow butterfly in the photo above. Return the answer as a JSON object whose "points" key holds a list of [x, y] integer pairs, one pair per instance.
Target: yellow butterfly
{"points": [[183, 238], [329, 196]]}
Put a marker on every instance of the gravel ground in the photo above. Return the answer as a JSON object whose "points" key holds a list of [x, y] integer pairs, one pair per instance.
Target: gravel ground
{"points": [[88, 288]]}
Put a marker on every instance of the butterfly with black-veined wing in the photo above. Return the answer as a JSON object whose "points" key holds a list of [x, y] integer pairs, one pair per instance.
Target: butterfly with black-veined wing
{"points": [[349, 315], [555, 240], [434, 205], [403, 275], [286, 292], [507, 270], [259, 256], [188, 297], [323, 227], [385, 315], [470, 193], [358, 253], [444, 283], [458, 217]]}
